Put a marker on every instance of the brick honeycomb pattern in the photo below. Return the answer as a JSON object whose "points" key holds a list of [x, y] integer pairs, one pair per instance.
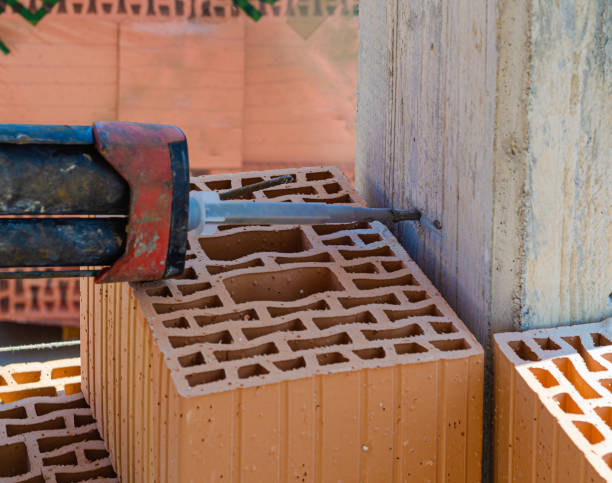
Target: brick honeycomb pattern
{"points": [[47, 431], [271, 329], [50, 301], [553, 404]]}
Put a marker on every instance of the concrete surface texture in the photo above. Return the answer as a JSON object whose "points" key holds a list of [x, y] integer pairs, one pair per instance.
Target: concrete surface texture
{"points": [[47, 432], [553, 404], [285, 353]]}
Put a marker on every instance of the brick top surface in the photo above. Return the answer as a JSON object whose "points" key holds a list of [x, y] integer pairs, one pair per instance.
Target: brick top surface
{"points": [[570, 368], [259, 305], [47, 432]]}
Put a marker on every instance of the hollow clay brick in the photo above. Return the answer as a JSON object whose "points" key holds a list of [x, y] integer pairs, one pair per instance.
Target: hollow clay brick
{"points": [[47, 431], [553, 405], [285, 354]]}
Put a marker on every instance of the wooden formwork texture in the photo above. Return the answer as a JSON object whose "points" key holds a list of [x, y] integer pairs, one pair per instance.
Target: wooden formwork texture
{"points": [[310, 353], [47, 432], [553, 404]]}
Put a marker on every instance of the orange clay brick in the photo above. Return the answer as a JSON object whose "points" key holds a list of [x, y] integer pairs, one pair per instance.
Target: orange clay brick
{"points": [[47, 432], [553, 405], [285, 354]]}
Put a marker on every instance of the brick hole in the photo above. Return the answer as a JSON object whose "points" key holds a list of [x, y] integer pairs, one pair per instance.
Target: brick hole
{"points": [[223, 337], [373, 252], [61, 460], [607, 383], [70, 389], [567, 404], [250, 181], [392, 266], [15, 429], [256, 332], [204, 320], [63, 290], [190, 360], [9, 397], [369, 238], [241, 244], [589, 431], [373, 283], [188, 274], [18, 412], [523, 351], [350, 302], [571, 374], [60, 372], [371, 353], [329, 229], [55, 442], [4, 304], [14, 460], [193, 288], [282, 286], [217, 269], [332, 188], [411, 330], [218, 185], [46, 408], [34, 479], [19, 307], [409, 348], [252, 371], [104, 472], [291, 365], [205, 377], [346, 198], [607, 357], [194, 187], [448, 345], [547, 344], [319, 176], [443, 327], [608, 459], [590, 362], [190, 256], [362, 268], [280, 311], [600, 340], [340, 241], [605, 413], [180, 323], [361, 318], [235, 355], [232, 227], [305, 344], [545, 377], [299, 190], [414, 296], [83, 420], [95, 454], [26, 377], [430, 310], [159, 292], [331, 358], [2, 381], [316, 258], [203, 303]]}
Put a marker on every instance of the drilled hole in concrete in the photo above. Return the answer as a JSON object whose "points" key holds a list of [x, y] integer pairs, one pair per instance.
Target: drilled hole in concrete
{"points": [[104, 472], [545, 377], [448, 345], [443, 327], [547, 344], [369, 238], [9, 397], [46, 408], [335, 228], [280, 311], [18, 412], [282, 286], [223, 337], [305, 344], [61, 372], [204, 320], [393, 266], [571, 374], [188, 274], [319, 176], [291, 365], [300, 190], [61, 460], [373, 252], [332, 188], [330, 201], [180, 323], [194, 287], [409, 348], [589, 431], [361, 318], [567, 404], [244, 243], [411, 330], [523, 350], [600, 340], [159, 292], [430, 310], [316, 258], [26, 377], [190, 360], [234, 355], [331, 358], [256, 332], [203, 303], [55, 442], [590, 362], [95, 454], [371, 353], [216, 269], [83, 420], [362, 268], [15, 429], [605, 413], [340, 241], [350, 302], [252, 371], [205, 377], [222, 184], [14, 460], [371, 284]]}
